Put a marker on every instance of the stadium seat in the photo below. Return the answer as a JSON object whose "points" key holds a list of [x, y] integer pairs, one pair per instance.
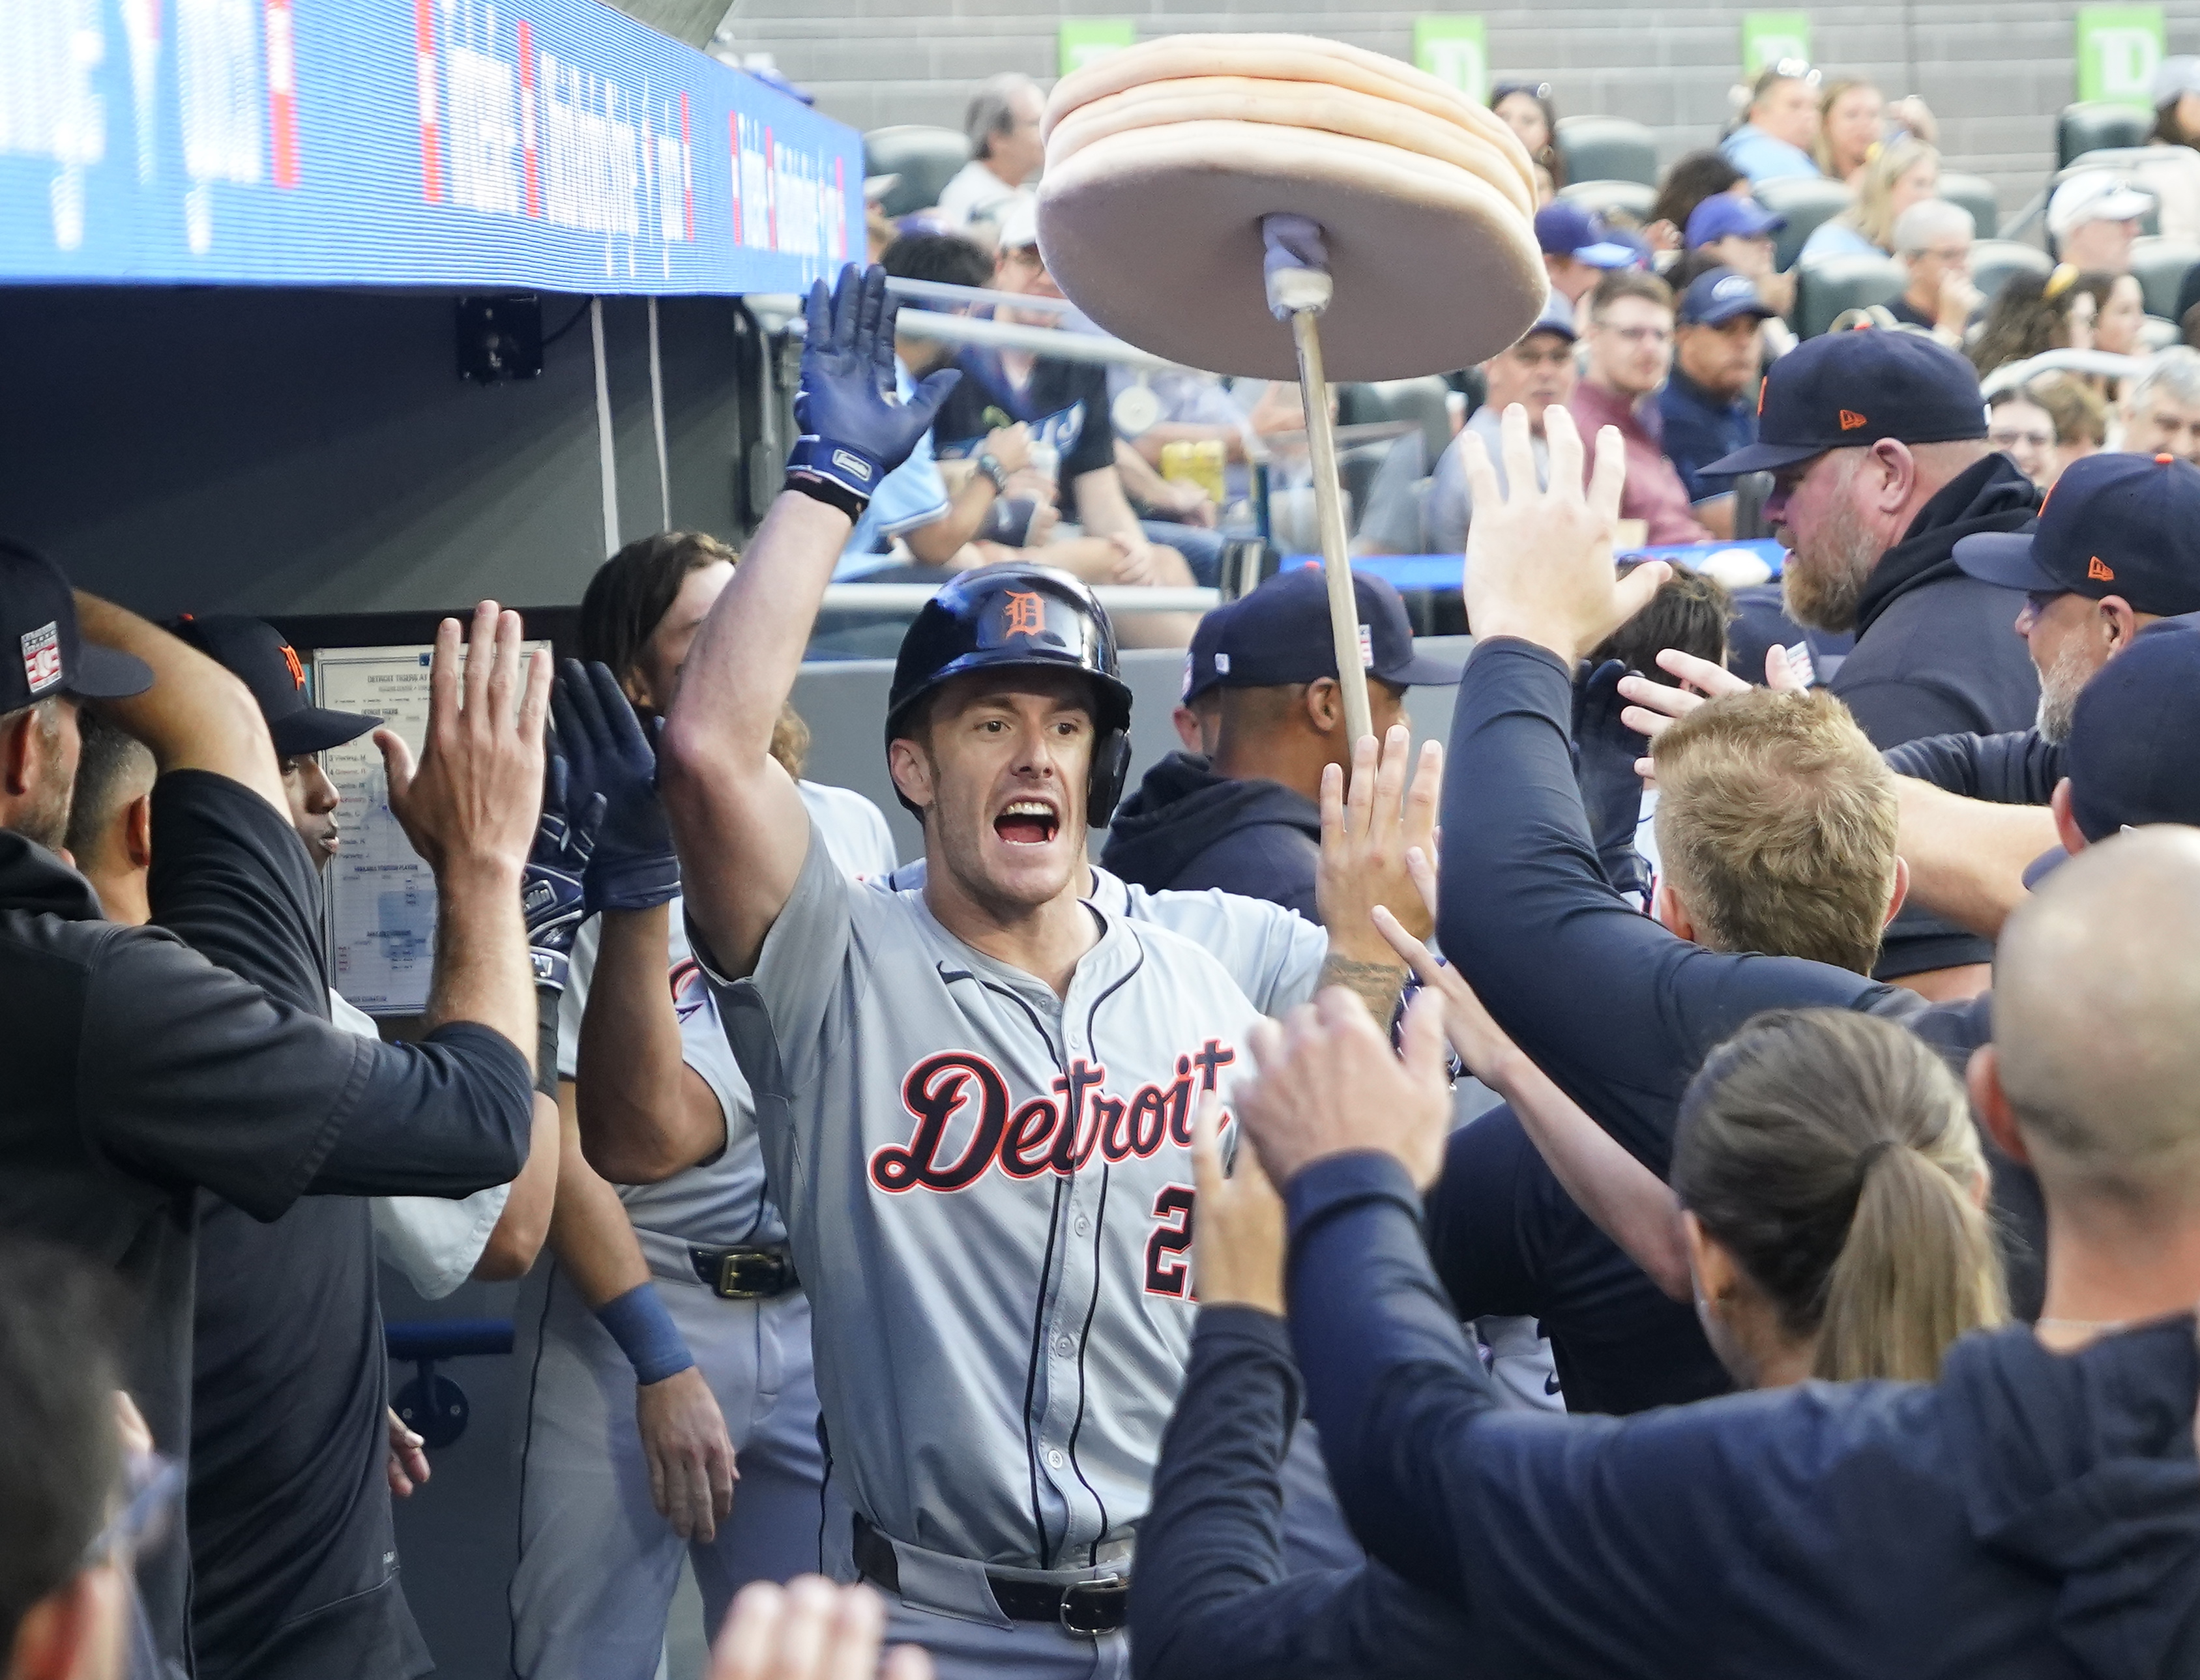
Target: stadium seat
{"points": [[1826, 287], [2096, 125], [1421, 401], [926, 158], [2160, 265], [1976, 194], [1629, 199], [1806, 200], [1993, 260], [1607, 149]]}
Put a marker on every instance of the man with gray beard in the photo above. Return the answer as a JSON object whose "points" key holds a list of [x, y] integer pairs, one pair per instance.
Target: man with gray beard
{"points": [[1876, 442]]}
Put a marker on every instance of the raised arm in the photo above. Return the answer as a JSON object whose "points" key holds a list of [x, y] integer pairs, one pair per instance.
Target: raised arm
{"points": [[735, 815], [196, 716]]}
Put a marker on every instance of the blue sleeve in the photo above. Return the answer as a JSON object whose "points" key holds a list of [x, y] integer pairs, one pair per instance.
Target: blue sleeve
{"points": [[1617, 1010], [1210, 1600], [2019, 767], [1570, 1544]]}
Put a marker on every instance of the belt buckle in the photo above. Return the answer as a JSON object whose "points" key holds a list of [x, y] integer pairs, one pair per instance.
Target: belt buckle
{"points": [[749, 1276], [1113, 1588]]}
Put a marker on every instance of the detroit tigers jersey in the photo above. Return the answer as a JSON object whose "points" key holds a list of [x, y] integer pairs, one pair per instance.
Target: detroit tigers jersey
{"points": [[988, 1191], [723, 1202]]}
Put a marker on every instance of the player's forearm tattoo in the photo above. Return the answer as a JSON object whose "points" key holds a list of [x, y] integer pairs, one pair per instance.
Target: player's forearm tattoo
{"points": [[1375, 985]]}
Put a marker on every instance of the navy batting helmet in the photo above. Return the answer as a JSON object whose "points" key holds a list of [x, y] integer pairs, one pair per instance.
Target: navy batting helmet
{"points": [[992, 616]]}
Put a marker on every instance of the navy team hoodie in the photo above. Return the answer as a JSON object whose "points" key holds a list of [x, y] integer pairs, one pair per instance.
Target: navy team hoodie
{"points": [[1187, 829]]}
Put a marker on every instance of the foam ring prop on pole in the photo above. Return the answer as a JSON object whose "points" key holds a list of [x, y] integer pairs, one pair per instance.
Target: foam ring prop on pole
{"points": [[1210, 198]]}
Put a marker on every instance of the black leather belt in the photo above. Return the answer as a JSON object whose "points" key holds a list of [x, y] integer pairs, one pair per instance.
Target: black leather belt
{"points": [[1090, 1607], [745, 1273]]}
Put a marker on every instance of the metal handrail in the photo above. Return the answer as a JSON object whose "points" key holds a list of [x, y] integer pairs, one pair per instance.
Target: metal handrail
{"points": [[2106, 363], [1118, 599], [940, 291]]}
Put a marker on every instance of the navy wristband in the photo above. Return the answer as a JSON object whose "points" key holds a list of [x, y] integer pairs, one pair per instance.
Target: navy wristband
{"points": [[646, 1334]]}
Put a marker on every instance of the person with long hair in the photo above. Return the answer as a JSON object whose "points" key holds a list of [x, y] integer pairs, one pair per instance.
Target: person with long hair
{"points": [[1899, 173], [1854, 116], [1530, 111], [2032, 314], [1692, 178]]}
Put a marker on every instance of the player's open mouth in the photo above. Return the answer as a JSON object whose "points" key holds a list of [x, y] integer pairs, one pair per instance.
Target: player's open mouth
{"points": [[1028, 822]]}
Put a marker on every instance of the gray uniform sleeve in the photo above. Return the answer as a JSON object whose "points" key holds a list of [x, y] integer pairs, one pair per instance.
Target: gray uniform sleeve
{"points": [[1274, 954]]}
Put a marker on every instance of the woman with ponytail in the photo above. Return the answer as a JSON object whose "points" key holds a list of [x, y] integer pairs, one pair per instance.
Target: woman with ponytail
{"points": [[1832, 1189]]}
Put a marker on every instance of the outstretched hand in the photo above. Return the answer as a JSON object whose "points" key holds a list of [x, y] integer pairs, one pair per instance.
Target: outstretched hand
{"points": [[1329, 1084], [854, 430], [474, 795], [1366, 829], [1652, 706], [633, 866], [1238, 1234], [1539, 561]]}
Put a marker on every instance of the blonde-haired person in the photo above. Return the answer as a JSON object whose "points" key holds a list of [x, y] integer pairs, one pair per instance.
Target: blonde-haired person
{"points": [[1854, 116], [1900, 173], [2080, 415]]}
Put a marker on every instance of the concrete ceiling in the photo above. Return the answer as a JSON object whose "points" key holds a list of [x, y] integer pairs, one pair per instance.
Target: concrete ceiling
{"points": [[690, 20]]}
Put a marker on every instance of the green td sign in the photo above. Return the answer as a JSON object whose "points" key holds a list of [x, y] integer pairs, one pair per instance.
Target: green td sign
{"points": [[1084, 40], [1455, 49], [2118, 48]]}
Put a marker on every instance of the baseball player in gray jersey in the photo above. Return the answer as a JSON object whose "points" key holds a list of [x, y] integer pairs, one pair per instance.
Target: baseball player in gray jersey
{"points": [[973, 1102]]}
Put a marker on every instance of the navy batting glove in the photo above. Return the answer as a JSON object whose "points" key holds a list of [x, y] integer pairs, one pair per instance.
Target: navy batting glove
{"points": [[1605, 751], [854, 430], [551, 891], [634, 866]]}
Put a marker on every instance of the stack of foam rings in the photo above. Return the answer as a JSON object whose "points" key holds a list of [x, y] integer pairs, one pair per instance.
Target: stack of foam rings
{"points": [[1162, 162]]}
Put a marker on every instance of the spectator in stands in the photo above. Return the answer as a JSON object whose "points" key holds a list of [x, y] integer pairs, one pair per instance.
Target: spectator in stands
{"points": [[1630, 352], [2032, 314], [1877, 444], [2093, 218], [1901, 173], [914, 504], [1005, 152], [2161, 409], [1536, 372], [76, 1498], [1708, 404], [2119, 313], [1736, 232], [1578, 249], [1780, 126], [1692, 178], [2019, 427], [2171, 171], [1251, 821], [1931, 241], [1530, 111], [1854, 117], [2080, 417]]}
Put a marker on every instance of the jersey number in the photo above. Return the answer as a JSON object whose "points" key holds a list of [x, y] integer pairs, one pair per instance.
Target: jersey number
{"points": [[1166, 1274]]}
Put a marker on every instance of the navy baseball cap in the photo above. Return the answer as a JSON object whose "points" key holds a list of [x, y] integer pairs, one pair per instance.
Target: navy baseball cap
{"points": [[1847, 390], [2125, 525], [1558, 317], [2133, 755], [1199, 658], [254, 651], [1718, 295], [1564, 229], [1725, 214], [1280, 633], [43, 653]]}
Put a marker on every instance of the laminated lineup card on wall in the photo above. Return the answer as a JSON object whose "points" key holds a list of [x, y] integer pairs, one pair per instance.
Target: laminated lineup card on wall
{"points": [[381, 896]]}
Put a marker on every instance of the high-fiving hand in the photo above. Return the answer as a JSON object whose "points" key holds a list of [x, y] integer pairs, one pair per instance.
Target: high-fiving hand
{"points": [[633, 866], [1238, 1234], [1539, 561], [810, 1630], [1329, 1084], [1366, 829], [854, 430]]}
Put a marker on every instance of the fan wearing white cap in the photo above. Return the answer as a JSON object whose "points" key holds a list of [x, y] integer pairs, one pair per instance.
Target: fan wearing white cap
{"points": [[2093, 219]]}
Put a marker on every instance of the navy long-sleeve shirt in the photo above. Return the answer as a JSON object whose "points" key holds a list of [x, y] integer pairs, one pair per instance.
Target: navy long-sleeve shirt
{"points": [[2031, 1517], [1210, 1599]]}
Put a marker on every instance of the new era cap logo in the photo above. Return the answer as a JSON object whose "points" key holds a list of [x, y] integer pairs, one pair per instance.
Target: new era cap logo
{"points": [[297, 670], [2096, 569], [854, 465], [42, 657], [1851, 420]]}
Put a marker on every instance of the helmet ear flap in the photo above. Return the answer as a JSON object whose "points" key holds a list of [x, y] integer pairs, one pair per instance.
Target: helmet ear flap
{"points": [[1111, 765]]}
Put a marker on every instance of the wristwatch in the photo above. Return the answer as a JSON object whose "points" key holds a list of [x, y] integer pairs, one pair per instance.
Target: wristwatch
{"points": [[993, 469]]}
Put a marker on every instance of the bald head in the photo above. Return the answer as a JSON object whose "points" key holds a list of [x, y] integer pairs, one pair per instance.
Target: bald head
{"points": [[2096, 988]]}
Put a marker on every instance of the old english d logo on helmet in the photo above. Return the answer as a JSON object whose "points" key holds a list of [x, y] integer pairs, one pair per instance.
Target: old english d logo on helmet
{"points": [[1022, 613]]}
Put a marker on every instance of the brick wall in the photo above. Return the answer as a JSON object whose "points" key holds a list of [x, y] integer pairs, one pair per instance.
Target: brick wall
{"points": [[1994, 73]]}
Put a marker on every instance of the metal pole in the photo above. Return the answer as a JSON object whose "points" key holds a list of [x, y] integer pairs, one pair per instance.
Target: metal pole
{"points": [[1329, 514]]}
